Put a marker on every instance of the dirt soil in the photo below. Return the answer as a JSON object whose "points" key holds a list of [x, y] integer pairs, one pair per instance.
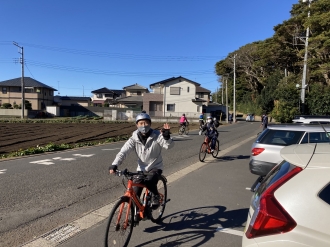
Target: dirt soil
{"points": [[16, 136]]}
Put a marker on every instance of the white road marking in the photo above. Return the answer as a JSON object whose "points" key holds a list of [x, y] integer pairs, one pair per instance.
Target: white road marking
{"points": [[46, 162], [68, 159], [247, 188], [3, 171], [179, 137], [112, 149], [83, 155], [230, 231], [57, 158]]}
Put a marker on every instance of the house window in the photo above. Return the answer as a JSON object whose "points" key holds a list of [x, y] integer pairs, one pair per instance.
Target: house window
{"points": [[198, 108], [170, 107], [200, 95], [108, 95], [29, 90], [4, 90], [15, 89], [138, 92], [174, 90], [188, 89], [99, 96], [153, 106]]}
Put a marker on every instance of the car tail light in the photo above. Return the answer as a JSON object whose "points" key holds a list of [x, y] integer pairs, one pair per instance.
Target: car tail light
{"points": [[270, 217], [257, 151]]}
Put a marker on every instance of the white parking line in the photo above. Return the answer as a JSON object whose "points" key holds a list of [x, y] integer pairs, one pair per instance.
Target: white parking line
{"points": [[112, 149], [230, 231]]}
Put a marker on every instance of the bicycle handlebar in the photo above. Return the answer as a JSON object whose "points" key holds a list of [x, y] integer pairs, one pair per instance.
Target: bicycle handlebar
{"points": [[127, 173]]}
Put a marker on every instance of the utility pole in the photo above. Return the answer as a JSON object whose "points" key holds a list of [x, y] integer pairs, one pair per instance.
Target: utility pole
{"points": [[22, 80], [226, 101], [222, 92], [303, 82], [83, 91], [234, 100]]}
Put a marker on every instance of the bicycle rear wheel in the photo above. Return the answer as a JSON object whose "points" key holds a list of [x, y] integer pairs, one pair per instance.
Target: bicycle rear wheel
{"points": [[216, 149], [155, 215], [202, 152], [119, 231]]}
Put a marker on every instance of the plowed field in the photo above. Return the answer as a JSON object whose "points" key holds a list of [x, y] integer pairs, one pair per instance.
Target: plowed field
{"points": [[15, 136]]}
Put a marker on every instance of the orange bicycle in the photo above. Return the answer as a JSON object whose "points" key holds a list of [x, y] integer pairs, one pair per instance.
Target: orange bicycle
{"points": [[206, 149], [121, 220]]}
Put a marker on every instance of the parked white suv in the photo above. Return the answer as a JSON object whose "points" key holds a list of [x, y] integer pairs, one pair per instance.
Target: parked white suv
{"points": [[303, 120], [265, 151], [291, 206]]}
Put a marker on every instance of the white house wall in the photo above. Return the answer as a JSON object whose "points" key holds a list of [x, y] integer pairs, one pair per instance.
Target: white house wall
{"points": [[183, 102]]}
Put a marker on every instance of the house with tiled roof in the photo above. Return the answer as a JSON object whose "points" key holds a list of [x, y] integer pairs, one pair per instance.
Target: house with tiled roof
{"points": [[37, 93], [134, 97], [175, 96], [105, 95]]}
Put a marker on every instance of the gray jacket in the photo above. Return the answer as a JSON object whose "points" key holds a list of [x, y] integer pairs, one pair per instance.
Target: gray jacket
{"points": [[149, 154]]}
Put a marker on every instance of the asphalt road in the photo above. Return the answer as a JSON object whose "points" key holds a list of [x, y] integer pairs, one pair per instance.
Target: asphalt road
{"points": [[43, 192]]}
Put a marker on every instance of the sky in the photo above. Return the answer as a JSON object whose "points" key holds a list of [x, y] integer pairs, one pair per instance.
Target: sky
{"points": [[80, 46]]}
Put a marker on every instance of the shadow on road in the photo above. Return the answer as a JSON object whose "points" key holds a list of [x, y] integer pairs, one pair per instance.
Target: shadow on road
{"points": [[233, 157], [195, 226]]}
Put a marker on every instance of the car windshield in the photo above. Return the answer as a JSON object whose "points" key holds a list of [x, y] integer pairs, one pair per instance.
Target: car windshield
{"points": [[280, 137]]}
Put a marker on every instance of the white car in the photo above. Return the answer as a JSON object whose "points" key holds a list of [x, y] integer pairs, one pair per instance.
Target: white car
{"points": [[291, 206], [249, 118], [303, 120]]}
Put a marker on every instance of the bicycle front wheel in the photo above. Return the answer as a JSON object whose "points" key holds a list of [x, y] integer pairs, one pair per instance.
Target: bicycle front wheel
{"points": [[186, 131], [155, 215], [180, 130], [120, 224], [202, 152], [216, 149]]}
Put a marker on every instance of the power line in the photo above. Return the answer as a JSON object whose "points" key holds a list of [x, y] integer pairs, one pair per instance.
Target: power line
{"points": [[117, 73], [120, 55]]}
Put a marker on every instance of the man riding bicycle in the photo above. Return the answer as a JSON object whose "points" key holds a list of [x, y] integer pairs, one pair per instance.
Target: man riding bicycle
{"points": [[148, 144], [211, 131], [183, 120]]}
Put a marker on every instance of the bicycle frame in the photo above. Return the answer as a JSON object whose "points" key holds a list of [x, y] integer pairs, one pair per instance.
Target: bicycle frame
{"points": [[132, 195], [207, 141]]}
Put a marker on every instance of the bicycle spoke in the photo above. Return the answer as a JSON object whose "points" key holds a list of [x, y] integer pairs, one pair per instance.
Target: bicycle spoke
{"points": [[156, 214], [120, 224]]}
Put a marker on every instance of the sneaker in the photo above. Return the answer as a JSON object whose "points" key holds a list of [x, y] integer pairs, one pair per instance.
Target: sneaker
{"points": [[212, 150], [155, 201]]}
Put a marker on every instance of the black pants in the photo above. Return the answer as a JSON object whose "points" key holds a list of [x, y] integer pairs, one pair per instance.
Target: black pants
{"points": [[150, 182]]}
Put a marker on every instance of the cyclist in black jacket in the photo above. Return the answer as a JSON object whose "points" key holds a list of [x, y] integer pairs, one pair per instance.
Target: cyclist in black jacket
{"points": [[211, 131]]}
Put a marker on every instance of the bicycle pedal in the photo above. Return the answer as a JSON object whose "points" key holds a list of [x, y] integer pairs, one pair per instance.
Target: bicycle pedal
{"points": [[168, 200]]}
